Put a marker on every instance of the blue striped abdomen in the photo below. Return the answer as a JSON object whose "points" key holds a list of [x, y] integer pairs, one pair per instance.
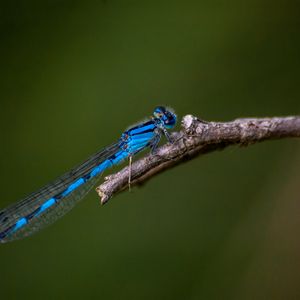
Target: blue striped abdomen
{"points": [[51, 202]]}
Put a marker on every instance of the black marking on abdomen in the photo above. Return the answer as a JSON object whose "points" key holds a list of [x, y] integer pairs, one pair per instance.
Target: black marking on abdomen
{"points": [[112, 157], [139, 126], [58, 197], [142, 132], [4, 233], [87, 177], [32, 214]]}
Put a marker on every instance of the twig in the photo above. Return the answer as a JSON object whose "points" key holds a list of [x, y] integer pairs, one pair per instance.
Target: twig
{"points": [[198, 137]]}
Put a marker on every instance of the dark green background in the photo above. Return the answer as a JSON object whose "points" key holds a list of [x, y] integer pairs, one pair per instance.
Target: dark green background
{"points": [[75, 74]]}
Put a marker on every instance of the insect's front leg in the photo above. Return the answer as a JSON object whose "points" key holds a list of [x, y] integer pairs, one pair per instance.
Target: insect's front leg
{"points": [[154, 143], [167, 135]]}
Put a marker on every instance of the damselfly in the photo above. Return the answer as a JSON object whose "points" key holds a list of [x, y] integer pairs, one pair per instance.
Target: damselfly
{"points": [[55, 199]]}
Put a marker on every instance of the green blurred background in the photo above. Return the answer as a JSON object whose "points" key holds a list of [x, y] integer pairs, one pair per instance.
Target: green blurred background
{"points": [[75, 74]]}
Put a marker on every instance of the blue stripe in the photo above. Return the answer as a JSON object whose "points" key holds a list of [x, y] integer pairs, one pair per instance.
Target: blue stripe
{"points": [[73, 186], [138, 142], [46, 205], [140, 125], [137, 147], [119, 157], [142, 136], [40, 209], [20, 224], [23, 221], [100, 168], [141, 129]]}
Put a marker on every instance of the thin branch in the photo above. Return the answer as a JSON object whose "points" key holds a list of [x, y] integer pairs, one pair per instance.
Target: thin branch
{"points": [[198, 137]]}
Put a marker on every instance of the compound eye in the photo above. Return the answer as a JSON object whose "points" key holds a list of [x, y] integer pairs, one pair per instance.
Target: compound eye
{"points": [[158, 114]]}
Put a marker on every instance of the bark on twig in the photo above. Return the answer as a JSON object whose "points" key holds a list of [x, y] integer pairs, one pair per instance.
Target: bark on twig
{"points": [[199, 137]]}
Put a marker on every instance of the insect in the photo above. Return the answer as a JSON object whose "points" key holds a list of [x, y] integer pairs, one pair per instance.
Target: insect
{"points": [[51, 202]]}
